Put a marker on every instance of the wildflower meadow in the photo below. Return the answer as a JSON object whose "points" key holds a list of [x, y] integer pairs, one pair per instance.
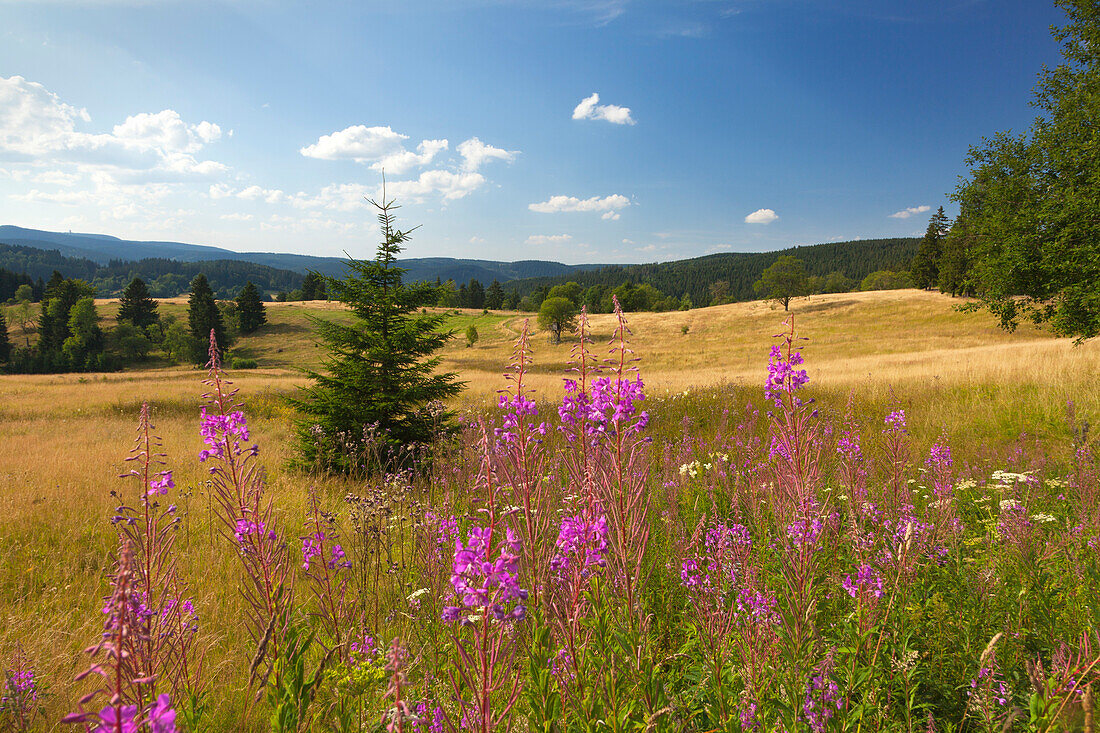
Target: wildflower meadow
{"points": [[597, 560]]}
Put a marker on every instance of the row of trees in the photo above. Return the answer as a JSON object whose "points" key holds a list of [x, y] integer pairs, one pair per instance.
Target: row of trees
{"points": [[70, 337], [1026, 240]]}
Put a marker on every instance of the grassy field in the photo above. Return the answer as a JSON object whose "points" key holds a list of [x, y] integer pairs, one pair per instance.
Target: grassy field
{"points": [[65, 436]]}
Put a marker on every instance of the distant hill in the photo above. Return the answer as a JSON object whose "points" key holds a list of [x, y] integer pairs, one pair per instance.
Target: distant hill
{"points": [[103, 249], [855, 259]]}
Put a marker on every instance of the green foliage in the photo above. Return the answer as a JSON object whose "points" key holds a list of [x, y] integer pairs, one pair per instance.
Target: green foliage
{"points": [[202, 317], [251, 313], [178, 344], [313, 287], [926, 265], [24, 293], [471, 335], [570, 290], [129, 342], [886, 280], [5, 343], [137, 306], [1029, 201], [86, 339], [380, 371], [558, 315], [165, 278], [785, 279], [243, 363], [738, 270], [494, 296]]}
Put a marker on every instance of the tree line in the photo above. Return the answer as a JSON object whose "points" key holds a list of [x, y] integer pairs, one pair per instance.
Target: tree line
{"points": [[70, 337], [165, 278]]}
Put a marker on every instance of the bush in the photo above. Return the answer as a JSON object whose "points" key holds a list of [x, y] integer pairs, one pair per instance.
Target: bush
{"points": [[241, 363]]}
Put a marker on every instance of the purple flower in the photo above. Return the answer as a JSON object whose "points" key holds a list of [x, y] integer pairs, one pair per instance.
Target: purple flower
{"points": [[480, 581], [161, 485], [247, 528], [867, 581], [895, 422], [577, 536], [805, 532], [339, 560], [311, 548], [217, 430], [783, 378]]}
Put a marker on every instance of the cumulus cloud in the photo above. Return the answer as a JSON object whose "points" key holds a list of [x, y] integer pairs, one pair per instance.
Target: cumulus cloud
{"points": [[761, 216], [236, 217], [255, 193], [906, 213], [381, 147], [591, 109], [37, 127], [359, 143], [450, 186], [609, 205], [474, 153], [548, 238]]}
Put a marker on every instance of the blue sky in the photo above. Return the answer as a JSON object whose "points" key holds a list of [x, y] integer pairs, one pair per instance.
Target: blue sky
{"points": [[716, 125]]}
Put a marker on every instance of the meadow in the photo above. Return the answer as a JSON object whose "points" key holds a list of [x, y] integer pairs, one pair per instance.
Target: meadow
{"points": [[906, 542]]}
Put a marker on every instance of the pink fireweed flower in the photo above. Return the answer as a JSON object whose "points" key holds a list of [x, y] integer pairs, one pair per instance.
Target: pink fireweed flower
{"points": [[516, 408], [246, 528], [161, 485], [895, 422], [217, 430], [783, 378], [481, 582], [311, 548], [583, 540], [867, 582], [339, 559], [805, 532], [724, 549]]}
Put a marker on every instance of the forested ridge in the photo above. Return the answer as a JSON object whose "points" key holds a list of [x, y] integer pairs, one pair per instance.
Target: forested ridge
{"points": [[694, 277], [166, 277]]}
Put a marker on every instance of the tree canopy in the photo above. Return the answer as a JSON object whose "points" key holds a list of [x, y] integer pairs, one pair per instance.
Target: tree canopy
{"points": [[137, 306], [785, 279], [1028, 204], [558, 315], [380, 383], [203, 316], [250, 309]]}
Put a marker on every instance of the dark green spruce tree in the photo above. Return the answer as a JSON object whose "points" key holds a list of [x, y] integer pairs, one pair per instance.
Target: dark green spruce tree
{"points": [[926, 265], [5, 343], [202, 316], [494, 296], [380, 372], [137, 306], [251, 313]]}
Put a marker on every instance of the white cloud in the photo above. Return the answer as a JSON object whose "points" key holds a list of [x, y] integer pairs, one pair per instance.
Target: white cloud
{"points": [[236, 217], [906, 213], [477, 240], [474, 153], [610, 216], [34, 120], [359, 143], [591, 109], [255, 193], [220, 191], [334, 197], [548, 238], [36, 127], [608, 204], [405, 160], [57, 178], [761, 216], [381, 147], [449, 185], [628, 241]]}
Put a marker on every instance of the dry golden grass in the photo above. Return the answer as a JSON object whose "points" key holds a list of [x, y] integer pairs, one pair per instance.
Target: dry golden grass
{"points": [[64, 436]]}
